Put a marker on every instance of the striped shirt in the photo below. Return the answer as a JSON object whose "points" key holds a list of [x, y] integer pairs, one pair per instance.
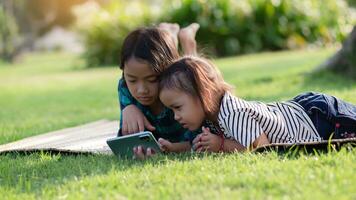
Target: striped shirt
{"points": [[282, 122]]}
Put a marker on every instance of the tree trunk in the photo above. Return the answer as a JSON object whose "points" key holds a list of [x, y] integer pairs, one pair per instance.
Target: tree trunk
{"points": [[343, 61]]}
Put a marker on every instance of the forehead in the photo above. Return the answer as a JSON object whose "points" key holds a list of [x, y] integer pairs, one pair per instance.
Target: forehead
{"points": [[170, 96], [138, 68]]}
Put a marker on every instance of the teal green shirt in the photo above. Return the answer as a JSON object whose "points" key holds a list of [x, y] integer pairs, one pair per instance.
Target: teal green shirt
{"points": [[166, 126]]}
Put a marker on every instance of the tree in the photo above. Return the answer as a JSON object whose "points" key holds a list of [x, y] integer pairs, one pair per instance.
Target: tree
{"points": [[21, 22], [8, 32], [344, 60]]}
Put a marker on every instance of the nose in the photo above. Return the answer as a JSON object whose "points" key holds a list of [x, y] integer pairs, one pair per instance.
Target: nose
{"points": [[176, 117], [142, 88]]}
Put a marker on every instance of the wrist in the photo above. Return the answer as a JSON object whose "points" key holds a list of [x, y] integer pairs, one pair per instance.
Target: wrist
{"points": [[222, 143]]}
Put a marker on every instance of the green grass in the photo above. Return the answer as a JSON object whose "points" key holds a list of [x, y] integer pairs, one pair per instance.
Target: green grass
{"points": [[52, 91]]}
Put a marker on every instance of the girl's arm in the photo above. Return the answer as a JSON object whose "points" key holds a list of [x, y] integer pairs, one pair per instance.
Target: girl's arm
{"points": [[214, 143], [231, 145], [177, 147], [260, 141], [125, 97], [132, 119]]}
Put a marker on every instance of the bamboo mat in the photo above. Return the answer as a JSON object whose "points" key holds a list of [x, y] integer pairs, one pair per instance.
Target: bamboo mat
{"points": [[91, 138], [325, 145], [87, 138]]}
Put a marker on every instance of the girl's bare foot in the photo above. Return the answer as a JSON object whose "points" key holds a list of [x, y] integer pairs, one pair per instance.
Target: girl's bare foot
{"points": [[172, 28], [187, 39]]}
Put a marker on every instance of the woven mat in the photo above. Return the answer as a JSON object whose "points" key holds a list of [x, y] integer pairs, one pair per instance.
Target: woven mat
{"points": [[334, 144], [87, 138], [91, 138]]}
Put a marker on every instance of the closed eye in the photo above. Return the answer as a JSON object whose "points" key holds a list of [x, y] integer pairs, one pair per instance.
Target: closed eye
{"points": [[176, 107], [153, 80]]}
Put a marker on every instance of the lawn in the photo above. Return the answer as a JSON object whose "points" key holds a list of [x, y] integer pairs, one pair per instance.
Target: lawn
{"points": [[46, 92]]}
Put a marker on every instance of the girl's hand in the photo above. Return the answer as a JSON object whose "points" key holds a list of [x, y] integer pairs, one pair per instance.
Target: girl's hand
{"points": [[165, 145], [206, 141], [134, 121], [141, 154]]}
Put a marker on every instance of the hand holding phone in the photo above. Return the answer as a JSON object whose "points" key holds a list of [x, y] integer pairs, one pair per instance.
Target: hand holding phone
{"points": [[123, 146]]}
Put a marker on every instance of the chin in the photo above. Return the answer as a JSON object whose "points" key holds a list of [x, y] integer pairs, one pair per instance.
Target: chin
{"points": [[194, 129], [145, 103]]}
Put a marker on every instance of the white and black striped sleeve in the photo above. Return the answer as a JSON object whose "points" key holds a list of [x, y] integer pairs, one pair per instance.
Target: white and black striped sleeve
{"points": [[243, 127]]}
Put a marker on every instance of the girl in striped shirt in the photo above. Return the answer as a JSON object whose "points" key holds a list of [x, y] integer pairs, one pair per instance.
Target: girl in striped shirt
{"points": [[195, 90]]}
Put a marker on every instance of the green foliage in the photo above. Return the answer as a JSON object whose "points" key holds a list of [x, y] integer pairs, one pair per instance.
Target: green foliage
{"points": [[105, 29], [231, 27], [228, 27], [8, 35], [352, 2]]}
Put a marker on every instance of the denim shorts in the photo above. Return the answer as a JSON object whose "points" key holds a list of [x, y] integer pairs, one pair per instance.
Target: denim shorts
{"points": [[331, 116]]}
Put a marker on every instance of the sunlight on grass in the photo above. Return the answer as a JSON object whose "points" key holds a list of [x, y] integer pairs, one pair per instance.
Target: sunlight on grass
{"points": [[257, 176], [47, 92]]}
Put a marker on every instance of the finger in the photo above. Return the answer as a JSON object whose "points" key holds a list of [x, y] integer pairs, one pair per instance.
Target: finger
{"points": [[206, 149], [130, 130], [205, 138], [163, 145], [199, 150], [205, 132], [150, 152], [141, 125], [197, 139], [198, 145], [139, 153], [134, 152], [134, 127], [162, 141], [164, 149], [143, 150], [205, 144], [124, 128], [153, 151], [148, 125]]}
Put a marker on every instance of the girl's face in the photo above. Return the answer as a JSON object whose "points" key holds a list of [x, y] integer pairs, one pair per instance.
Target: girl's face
{"points": [[188, 110], [142, 81]]}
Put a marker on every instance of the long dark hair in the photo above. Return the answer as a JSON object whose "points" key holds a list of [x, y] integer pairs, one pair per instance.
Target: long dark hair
{"points": [[152, 45]]}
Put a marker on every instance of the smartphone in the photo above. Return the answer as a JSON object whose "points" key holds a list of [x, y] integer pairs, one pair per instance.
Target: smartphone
{"points": [[122, 146]]}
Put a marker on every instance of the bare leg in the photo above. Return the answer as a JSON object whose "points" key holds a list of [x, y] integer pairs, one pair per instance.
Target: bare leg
{"points": [[187, 39], [173, 29]]}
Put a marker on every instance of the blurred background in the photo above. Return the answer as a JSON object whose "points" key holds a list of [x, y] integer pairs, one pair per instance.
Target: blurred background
{"points": [[59, 58], [95, 29]]}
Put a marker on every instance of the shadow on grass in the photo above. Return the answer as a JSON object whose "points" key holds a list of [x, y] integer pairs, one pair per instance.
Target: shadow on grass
{"points": [[33, 172], [299, 83], [30, 173], [328, 81], [321, 148]]}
